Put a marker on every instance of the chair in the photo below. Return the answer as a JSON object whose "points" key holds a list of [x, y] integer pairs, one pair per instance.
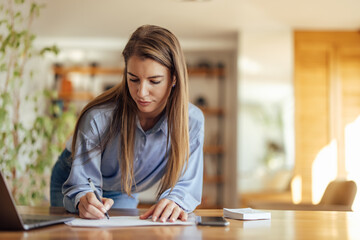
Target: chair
{"points": [[339, 195], [339, 192]]}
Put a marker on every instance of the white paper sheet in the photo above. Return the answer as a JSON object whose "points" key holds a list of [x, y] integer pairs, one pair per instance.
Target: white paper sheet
{"points": [[124, 221]]}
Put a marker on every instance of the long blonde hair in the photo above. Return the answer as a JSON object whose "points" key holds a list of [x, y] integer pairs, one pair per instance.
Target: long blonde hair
{"points": [[161, 45]]}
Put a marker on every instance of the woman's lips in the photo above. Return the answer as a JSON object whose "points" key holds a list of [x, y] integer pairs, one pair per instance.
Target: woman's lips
{"points": [[143, 103]]}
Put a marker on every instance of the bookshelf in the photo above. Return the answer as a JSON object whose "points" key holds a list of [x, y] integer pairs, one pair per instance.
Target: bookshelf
{"points": [[206, 81]]}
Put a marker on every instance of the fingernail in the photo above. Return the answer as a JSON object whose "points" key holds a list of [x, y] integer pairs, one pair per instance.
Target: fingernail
{"points": [[104, 210], [154, 219], [162, 220], [172, 220]]}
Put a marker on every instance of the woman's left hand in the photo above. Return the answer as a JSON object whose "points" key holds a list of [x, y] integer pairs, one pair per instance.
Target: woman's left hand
{"points": [[165, 209]]}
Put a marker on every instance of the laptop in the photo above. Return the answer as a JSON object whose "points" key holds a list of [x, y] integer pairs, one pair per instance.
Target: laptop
{"points": [[10, 219]]}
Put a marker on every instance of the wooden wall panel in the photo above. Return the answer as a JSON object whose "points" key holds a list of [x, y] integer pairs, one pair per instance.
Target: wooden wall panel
{"points": [[327, 97], [349, 74], [311, 108]]}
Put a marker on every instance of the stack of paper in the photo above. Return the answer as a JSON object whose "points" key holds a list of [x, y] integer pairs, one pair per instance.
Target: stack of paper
{"points": [[246, 214]]}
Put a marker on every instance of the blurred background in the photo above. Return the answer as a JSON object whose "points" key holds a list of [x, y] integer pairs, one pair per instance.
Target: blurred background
{"points": [[278, 82]]}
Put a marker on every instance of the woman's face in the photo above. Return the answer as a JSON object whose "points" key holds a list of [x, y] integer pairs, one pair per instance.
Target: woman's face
{"points": [[149, 85]]}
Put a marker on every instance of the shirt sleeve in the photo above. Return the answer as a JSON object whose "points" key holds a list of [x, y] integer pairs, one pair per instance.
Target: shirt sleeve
{"points": [[86, 164], [188, 190]]}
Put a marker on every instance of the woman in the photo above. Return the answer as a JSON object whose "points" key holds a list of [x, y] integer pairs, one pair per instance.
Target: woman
{"points": [[138, 133]]}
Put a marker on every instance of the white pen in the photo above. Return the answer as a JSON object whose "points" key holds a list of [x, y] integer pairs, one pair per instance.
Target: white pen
{"points": [[97, 195]]}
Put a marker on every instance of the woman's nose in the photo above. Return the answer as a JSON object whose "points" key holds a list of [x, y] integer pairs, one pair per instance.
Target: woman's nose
{"points": [[143, 89]]}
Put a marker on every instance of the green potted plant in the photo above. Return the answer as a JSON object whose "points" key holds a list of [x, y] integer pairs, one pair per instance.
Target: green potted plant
{"points": [[29, 145]]}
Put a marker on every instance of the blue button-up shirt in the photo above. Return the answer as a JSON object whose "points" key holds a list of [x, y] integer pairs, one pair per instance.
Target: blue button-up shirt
{"points": [[150, 160]]}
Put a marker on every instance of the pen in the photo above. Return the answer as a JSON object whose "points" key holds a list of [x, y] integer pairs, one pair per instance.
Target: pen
{"points": [[97, 195]]}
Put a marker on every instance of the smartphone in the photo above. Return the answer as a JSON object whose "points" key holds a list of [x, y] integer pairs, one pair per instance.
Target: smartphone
{"points": [[211, 221]]}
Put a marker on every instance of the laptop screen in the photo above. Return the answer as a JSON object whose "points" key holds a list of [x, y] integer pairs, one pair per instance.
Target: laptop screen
{"points": [[10, 219]]}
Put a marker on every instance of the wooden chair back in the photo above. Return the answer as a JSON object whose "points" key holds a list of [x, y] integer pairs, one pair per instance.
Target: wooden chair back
{"points": [[339, 192]]}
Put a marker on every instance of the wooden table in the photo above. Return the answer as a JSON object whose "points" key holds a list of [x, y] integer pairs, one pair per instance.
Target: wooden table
{"points": [[315, 225]]}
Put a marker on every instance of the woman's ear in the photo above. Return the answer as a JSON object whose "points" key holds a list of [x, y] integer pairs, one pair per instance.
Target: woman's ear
{"points": [[174, 81]]}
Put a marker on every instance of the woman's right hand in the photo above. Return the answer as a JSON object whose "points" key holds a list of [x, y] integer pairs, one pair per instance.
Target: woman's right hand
{"points": [[90, 207]]}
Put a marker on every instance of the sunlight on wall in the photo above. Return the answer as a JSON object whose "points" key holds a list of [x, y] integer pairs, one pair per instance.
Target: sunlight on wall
{"points": [[296, 192], [352, 156], [324, 170]]}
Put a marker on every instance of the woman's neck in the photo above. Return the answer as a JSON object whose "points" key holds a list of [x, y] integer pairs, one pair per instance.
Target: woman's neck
{"points": [[148, 122]]}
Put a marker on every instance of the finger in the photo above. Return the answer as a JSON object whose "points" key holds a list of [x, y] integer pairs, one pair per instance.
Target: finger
{"points": [[107, 202], [168, 210], [148, 213], [175, 214], [85, 214], [159, 207], [88, 211], [183, 216], [92, 200]]}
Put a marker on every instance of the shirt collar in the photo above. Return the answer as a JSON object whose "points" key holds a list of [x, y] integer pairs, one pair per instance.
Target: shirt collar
{"points": [[162, 125]]}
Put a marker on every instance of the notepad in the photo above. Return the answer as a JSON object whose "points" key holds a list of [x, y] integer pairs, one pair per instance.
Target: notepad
{"points": [[246, 214], [124, 221]]}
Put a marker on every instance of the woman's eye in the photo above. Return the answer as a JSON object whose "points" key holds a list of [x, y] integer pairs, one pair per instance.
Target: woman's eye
{"points": [[134, 79], [155, 82]]}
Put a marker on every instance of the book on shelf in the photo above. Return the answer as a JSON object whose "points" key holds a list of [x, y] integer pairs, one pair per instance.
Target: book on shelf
{"points": [[246, 214]]}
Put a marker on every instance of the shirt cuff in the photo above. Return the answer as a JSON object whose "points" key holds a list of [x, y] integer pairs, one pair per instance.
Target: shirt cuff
{"points": [[72, 203]]}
